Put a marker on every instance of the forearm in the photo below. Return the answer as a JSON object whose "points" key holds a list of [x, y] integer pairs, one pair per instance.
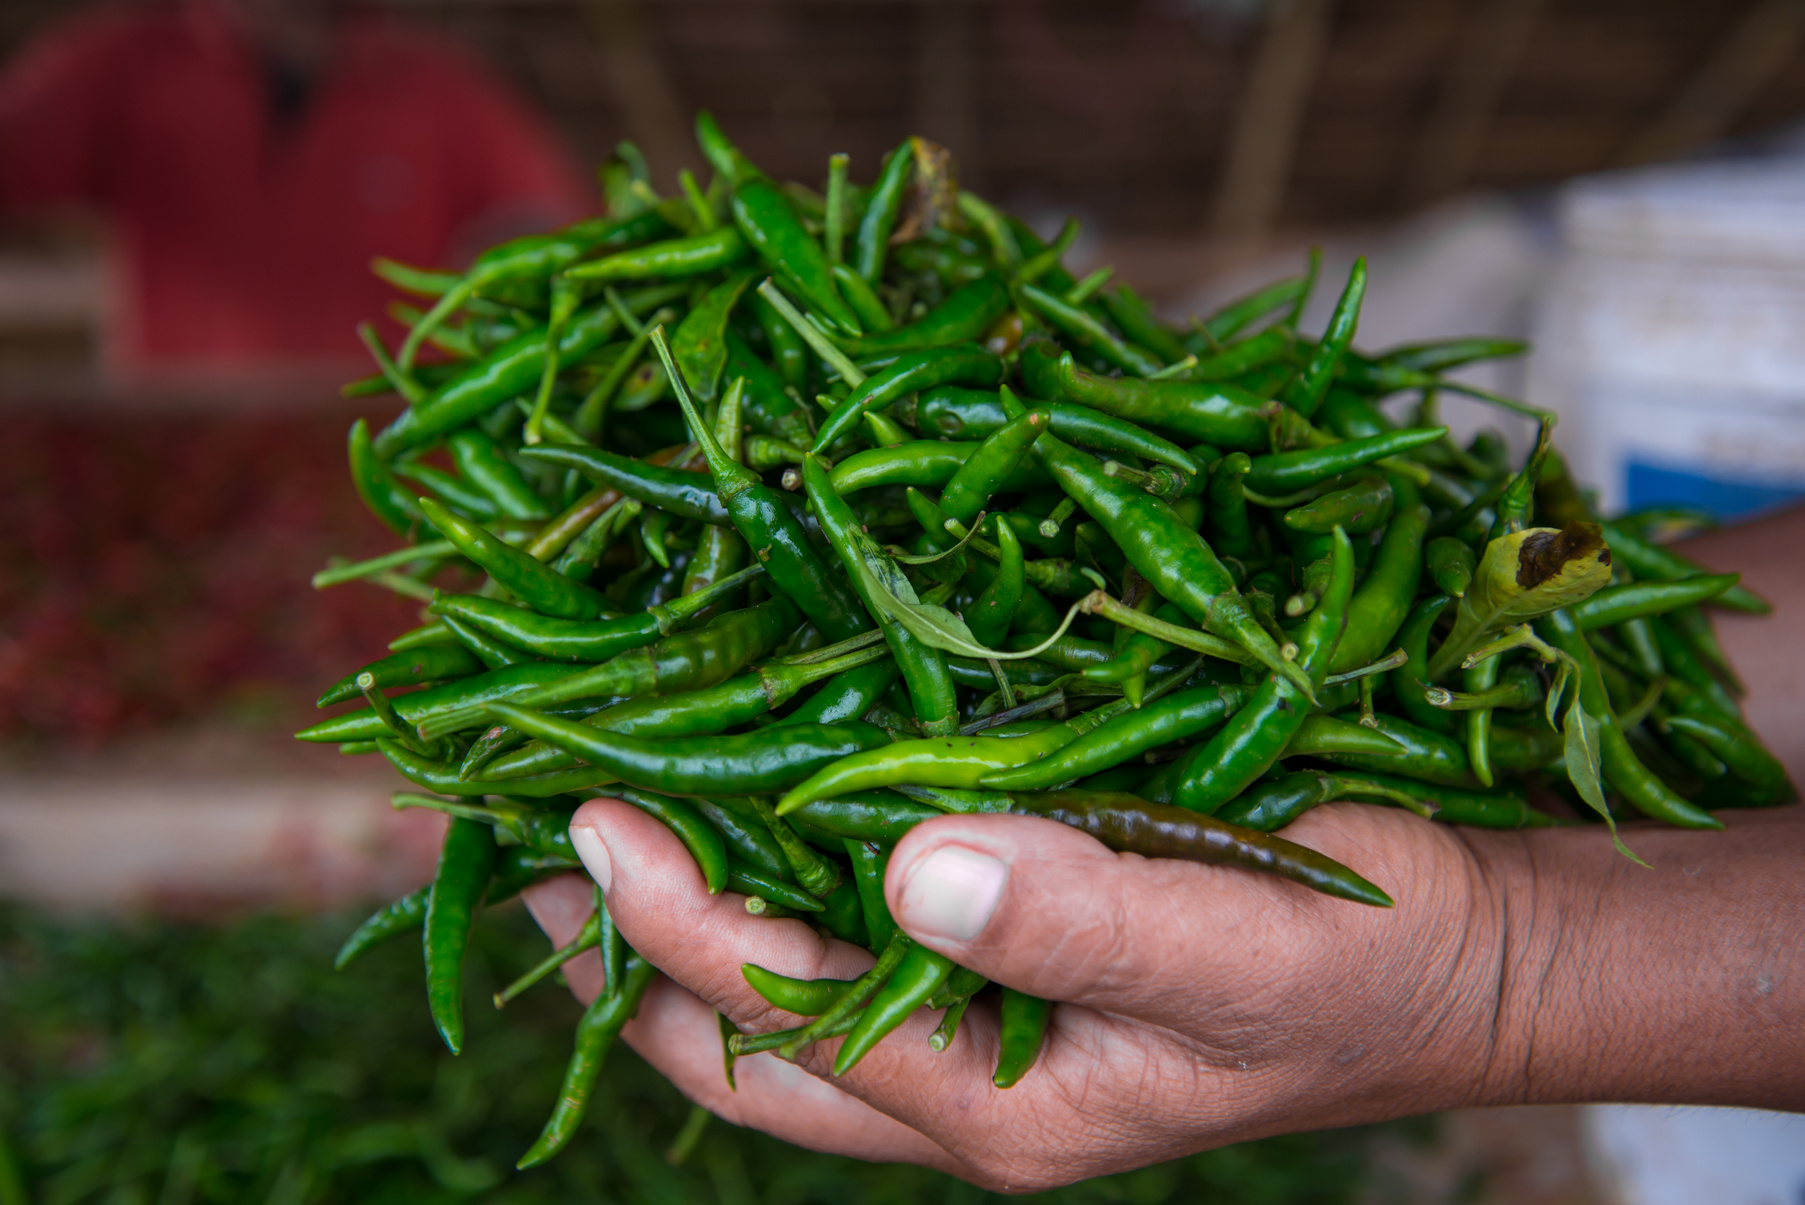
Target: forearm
{"points": [[1680, 983]]}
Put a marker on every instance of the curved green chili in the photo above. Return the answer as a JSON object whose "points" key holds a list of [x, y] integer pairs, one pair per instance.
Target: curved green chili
{"points": [[1288, 472], [1129, 824], [918, 976], [1024, 1031], [959, 364], [536, 583], [763, 762], [465, 861], [1217, 413], [601, 1024]]}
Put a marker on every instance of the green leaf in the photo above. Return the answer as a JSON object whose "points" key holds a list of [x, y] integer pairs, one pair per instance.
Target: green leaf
{"points": [[1585, 769], [935, 626], [1562, 676], [1521, 576]]}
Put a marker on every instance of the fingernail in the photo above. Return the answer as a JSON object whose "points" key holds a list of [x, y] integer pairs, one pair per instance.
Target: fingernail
{"points": [[589, 847], [952, 893]]}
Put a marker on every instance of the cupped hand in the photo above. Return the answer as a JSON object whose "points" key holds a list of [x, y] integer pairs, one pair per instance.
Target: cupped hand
{"points": [[1198, 1005]]}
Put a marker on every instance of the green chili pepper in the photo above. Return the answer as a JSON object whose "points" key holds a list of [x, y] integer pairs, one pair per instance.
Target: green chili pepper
{"points": [[1287, 472], [1230, 532], [748, 840], [1451, 563], [996, 604], [1217, 413], [818, 876], [847, 696], [601, 1024], [391, 920], [1633, 600], [442, 776], [699, 344], [1743, 754], [881, 209], [865, 303], [1322, 735], [410, 667], [1270, 347], [1134, 318], [492, 653], [364, 725], [376, 486], [687, 494], [869, 863], [678, 258], [465, 861], [1305, 392], [963, 317], [589, 937], [956, 413], [1087, 332], [764, 215], [770, 410], [1476, 679], [1238, 315], [1379, 607], [688, 661], [702, 839], [804, 997], [1434, 756], [1176, 717], [1649, 560], [1362, 507], [1024, 1032], [535, 583], [1131, 825], [876, 816], [923, 667], [1496, 809], [991, 465], [925, 463], [1271, 804], [1682, 663], [941, 761], [911, 371], [754, 763], [918, 976]]}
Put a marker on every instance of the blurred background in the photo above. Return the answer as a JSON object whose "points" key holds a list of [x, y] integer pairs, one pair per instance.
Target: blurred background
{"points": [[190, 193]]}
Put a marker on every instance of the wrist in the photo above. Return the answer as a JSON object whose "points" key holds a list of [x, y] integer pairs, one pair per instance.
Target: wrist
{"points": [[1678, 982]]}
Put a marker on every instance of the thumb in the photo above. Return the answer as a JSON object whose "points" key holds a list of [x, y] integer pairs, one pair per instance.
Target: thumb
{"points": [[1050, 911]]}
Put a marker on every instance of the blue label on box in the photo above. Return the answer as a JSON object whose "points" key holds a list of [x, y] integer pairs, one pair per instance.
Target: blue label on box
{"points": [[1647, 485]]}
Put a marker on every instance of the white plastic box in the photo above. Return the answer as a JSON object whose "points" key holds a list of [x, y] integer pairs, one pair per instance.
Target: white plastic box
{"points": [[1671, 336]]}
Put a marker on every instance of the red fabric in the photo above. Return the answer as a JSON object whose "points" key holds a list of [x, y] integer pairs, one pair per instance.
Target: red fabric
{"points": [[242, 241]]}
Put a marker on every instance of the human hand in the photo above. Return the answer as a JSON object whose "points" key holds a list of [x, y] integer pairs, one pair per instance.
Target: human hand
{"points": [[1200, 1005]]}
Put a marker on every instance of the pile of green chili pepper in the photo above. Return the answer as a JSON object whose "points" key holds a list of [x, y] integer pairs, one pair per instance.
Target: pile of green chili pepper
{"points": [[802, 517]]}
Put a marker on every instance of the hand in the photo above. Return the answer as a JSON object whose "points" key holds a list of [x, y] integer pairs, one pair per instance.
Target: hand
{"points": [[1202, 1005]]}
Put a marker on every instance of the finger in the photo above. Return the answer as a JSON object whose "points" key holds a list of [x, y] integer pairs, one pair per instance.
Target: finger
{"points": [[657, 897], [561, 907], [677, 1032], [1050, 911]]}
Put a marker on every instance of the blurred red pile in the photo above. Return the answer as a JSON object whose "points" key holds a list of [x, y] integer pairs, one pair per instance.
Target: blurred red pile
{"points": [[154, 568]]}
